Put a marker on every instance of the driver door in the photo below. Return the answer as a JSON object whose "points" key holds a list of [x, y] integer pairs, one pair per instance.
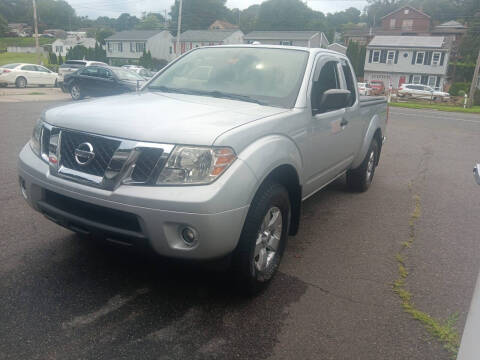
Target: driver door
{"points": [[330, 151]]}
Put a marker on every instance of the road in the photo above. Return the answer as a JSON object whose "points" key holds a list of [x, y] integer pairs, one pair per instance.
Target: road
{"points": [[62, 297]]}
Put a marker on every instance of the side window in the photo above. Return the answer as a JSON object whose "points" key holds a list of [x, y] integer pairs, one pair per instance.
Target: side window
{"points": [[347, 72], [90, 71], [29, 68], [104, 73], [42, 69], [327, 79]]}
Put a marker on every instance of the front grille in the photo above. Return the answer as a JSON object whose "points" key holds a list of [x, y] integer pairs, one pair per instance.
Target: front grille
{"points": [[145, 164], [103, 148], [99, 214]]}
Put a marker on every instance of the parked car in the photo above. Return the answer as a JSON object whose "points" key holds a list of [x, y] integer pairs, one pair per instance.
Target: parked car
{"points": [[378, 87], [71, 66], [21, 75], [422, 92], [101, 81], [364, 89], [208, 167]]}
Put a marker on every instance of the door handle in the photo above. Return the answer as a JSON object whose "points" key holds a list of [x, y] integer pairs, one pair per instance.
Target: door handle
{"points": [[343, 123]]}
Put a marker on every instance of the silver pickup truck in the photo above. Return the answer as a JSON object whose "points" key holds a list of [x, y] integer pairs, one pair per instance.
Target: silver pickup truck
{"points": [[212, 158]]}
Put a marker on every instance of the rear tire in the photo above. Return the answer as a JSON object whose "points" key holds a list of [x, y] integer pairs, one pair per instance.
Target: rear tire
{"points": [[360, 179], [75, 92], [263, 239], [21, 82]]}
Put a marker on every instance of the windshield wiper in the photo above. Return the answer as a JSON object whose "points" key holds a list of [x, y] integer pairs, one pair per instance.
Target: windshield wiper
{"points": [[169, 89], [224, 95]]}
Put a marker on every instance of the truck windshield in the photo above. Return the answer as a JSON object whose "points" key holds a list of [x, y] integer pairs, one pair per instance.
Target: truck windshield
{"points": [[261, 75]]}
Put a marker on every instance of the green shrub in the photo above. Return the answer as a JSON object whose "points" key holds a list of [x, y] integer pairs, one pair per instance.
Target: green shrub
{"points": [[476, 97], [456, 87], [461, 93]]}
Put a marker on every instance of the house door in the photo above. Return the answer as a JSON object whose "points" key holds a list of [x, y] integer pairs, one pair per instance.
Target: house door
{"points": [[402, 81]]}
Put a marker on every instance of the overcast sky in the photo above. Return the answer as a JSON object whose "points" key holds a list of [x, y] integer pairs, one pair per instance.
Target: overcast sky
{"points": [[113, 8]]}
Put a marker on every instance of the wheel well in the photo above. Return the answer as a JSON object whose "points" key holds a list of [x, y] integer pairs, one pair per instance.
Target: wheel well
{"points": [[288, 177], [378, 136]]}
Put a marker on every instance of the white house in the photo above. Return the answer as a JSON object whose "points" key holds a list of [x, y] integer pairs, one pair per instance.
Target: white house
{"points": [[126, 47], [191, 39], [311, 39], [61, 46], [396, 60], [338, 48]]}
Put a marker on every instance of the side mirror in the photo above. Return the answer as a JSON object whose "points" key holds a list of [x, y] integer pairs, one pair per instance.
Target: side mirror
{"points": [[333, 99], [476, 173]]}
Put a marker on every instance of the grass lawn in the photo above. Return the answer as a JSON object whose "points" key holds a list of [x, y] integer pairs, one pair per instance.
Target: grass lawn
{"points": [[440, 107], [19, 41], [7, 58]]}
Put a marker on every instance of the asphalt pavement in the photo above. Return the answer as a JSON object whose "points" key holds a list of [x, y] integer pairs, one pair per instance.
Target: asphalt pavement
{"points": [[63, 297]]}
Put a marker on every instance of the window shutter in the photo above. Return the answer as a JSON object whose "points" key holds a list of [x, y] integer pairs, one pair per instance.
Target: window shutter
{"points": [[424, 80], [414, 57], [428, 58], [370, 56], [383, 57], [410, 79], [396, 56], [442, 58]]}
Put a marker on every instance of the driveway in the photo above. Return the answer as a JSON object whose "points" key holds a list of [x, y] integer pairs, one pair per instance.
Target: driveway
{"points": [[64, 297]]}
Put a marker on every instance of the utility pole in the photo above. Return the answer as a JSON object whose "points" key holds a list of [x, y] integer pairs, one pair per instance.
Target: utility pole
{"points": [[35, 23], [473, 87], [179, 28]]}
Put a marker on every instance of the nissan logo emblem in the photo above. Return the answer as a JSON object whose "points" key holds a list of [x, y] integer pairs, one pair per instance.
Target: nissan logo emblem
{"points": [[84, 154]]}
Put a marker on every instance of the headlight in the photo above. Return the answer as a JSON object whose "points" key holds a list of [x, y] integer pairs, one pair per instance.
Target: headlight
{"points": [[195, 165], [36, 135]]}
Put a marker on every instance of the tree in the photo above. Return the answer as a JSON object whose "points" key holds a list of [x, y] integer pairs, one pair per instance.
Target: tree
{"points": [[126, 22], [52, 58], [199, 14], [248, 18], [151, 22], [60, 60], [146, 60], [102, 34], [356, 54], [288, 15], [471, 41], [3, 26]]}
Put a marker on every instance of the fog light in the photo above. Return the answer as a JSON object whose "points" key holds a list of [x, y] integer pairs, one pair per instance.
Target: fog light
{"points": [[23, 189], [189, 235]]}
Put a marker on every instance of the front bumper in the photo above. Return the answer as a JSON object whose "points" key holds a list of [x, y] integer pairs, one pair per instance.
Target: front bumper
{"points": [[216, 212]]}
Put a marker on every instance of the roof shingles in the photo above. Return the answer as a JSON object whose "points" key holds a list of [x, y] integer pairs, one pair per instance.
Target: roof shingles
{"points": [[134, 35]]}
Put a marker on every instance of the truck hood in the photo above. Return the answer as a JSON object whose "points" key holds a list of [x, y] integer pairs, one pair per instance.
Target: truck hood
{"points": [[159, 117]]}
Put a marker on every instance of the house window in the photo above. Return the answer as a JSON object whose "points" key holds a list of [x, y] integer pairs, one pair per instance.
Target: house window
{"points": [[436, 58], [109, 46], [416, 79], [432, 81], [390, 57], [140, 47], [120, 47], [420, 58], [406, 11], [286, 42], [393, 23], [376, 56], [407, 24], [132, 47], [59, 49]]}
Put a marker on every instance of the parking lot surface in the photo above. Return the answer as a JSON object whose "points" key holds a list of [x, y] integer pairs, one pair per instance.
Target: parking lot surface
{"points": [[30, 94], [65, 297]]}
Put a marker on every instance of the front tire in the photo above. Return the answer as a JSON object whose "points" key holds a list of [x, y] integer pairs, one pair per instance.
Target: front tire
{"points": [[360, 179], [75, 92], [263, 238]]}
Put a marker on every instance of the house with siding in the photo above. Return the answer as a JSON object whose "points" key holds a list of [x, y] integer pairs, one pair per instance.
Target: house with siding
{"points": [[126, 47], [191, 39], [61, 46], [396, 60], [311, 39]]}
